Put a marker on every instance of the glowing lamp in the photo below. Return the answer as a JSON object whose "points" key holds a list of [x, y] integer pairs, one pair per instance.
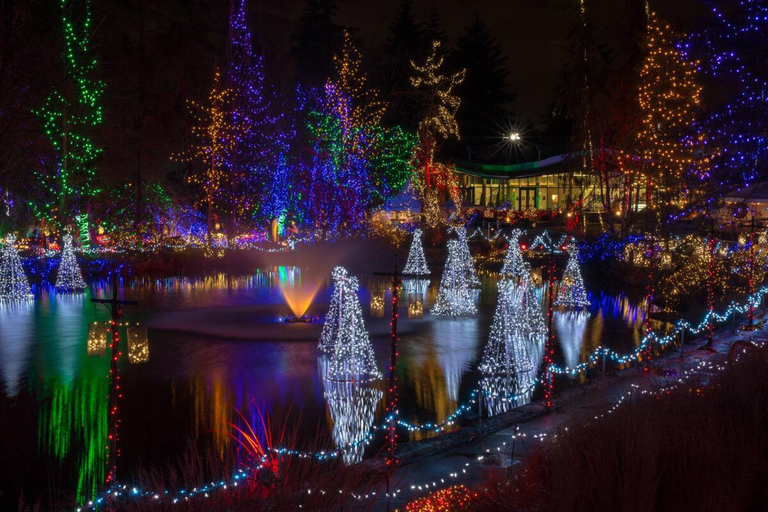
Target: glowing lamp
{"points": [[415, 305], [97, 339], [377, 303], [138, 344]]}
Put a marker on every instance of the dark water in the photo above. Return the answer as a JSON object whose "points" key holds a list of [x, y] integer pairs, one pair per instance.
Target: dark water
{"points": [[216, 346]]}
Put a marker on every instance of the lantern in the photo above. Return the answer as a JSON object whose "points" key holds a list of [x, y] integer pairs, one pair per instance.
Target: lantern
{"points": [[138, 344], [97, 339], [536, 276], [415, 305], [377, 303]]}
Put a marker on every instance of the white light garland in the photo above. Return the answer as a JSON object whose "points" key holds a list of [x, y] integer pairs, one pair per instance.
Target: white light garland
{"points": [[464, 258]]}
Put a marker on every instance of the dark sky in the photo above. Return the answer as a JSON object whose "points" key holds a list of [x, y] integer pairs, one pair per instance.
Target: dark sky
{"points": [[531, 32]]}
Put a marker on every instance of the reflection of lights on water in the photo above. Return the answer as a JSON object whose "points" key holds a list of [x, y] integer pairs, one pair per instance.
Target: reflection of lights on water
{"points": [[570, 326], [352, 407], [502, 393], [16, 325]]}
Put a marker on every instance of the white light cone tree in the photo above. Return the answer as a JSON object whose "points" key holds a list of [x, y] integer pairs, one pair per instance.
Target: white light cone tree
{"points": [[416, 262], [514, 265], [352, 356], [512, 334], [572, 293], [454, 298], [14, 284], [69, 277], [467, 264]]}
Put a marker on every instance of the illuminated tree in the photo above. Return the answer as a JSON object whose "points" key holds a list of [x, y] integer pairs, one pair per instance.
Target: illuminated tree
{"points": [[352, 356], [572, 292], [357, 163], [669, 98], [514, 264], [416, 262], [732, 53], [257, 164], [69, 276], [438, 124], [466, 262], [70, 114], [13, 281], [512, 336], [454, 298], [216, 130]]}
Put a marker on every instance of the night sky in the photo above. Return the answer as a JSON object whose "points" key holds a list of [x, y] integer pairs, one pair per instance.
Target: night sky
{"points": [[532, 32]]}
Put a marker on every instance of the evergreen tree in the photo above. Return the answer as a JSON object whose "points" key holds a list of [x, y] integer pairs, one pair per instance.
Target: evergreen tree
{"points": [[13, 281], [404, 44], [316, 41], [434, 29], [485, 91], [261, 148], [70, 115], [454, 298], [69, 277]]}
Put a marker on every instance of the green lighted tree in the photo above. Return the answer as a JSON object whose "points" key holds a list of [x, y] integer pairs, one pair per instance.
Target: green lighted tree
{"points": [[70, 114]]}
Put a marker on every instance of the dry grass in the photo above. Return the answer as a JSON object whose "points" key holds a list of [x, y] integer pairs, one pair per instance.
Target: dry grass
{"points": [[701, 448]]}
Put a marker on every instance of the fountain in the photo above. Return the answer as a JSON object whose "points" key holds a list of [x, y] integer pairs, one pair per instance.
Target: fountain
{"points": [[298, 292]]}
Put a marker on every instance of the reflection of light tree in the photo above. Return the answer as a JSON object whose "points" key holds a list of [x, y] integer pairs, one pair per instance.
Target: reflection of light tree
{"points": [[16, 324], [502, 393], [73, 423], [570, 327], [517, 329], [352, 406], [455, 344]]}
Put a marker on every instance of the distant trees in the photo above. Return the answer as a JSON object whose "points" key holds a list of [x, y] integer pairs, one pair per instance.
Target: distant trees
{"points": [[485, 90]]}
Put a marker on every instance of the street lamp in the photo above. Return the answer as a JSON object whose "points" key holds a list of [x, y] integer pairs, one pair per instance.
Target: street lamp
{"points": [[514, 137]]}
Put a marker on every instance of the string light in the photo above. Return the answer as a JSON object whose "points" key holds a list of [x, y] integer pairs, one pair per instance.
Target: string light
{"points": [[69, 117]]}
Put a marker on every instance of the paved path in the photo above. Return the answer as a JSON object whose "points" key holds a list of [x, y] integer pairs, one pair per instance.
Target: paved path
{"points": [[461, 464]]}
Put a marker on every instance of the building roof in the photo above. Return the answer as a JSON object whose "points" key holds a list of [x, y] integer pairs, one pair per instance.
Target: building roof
{"points": [[551, 165], [757, 193]]}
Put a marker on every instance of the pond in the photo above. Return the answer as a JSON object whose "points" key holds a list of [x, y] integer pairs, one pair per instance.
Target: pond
{"points": [[217, 346]]}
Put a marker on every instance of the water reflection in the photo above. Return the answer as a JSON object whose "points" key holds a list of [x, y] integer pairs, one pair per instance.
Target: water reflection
{"points": [[570, 327], [502, 393], [16, 323], [352, 408]]}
